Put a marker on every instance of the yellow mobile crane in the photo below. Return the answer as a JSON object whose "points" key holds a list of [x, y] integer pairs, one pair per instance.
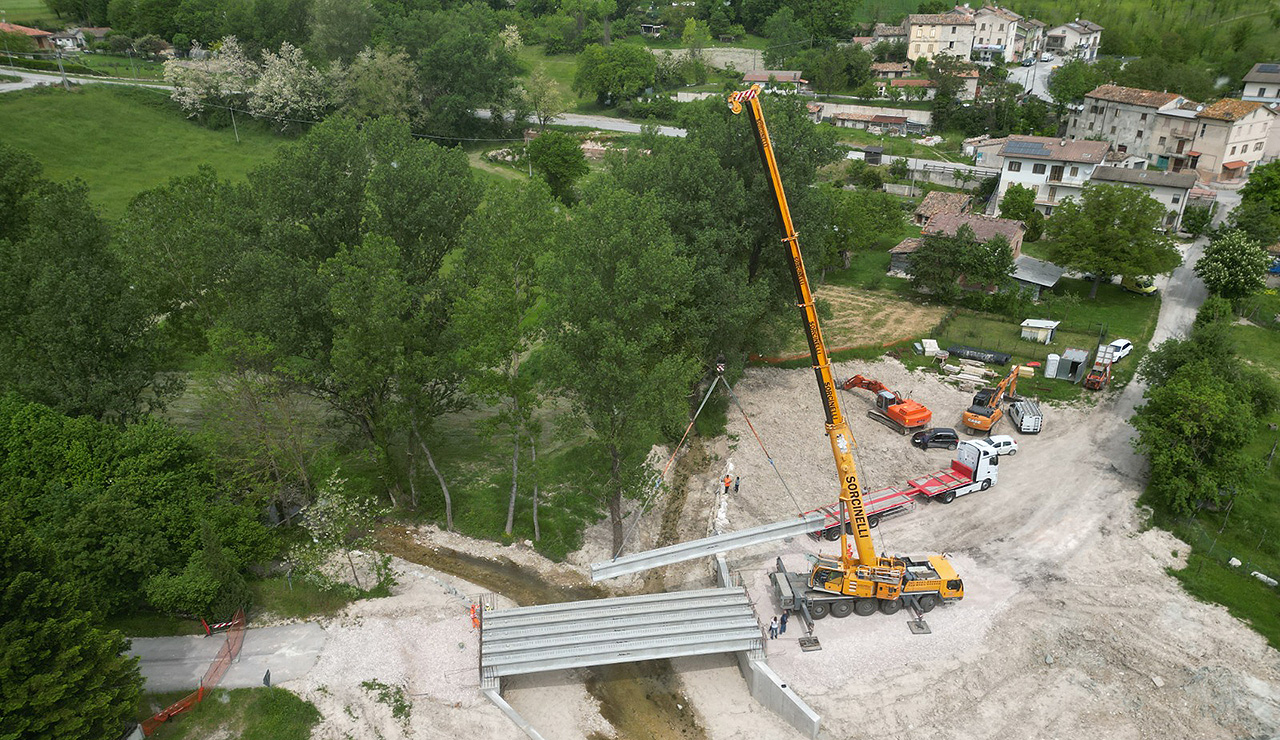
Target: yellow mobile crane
{"points": [[860, 582]]}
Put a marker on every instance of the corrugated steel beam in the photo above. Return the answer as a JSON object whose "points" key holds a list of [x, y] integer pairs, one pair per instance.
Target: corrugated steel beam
{"points": [[625, 564]]}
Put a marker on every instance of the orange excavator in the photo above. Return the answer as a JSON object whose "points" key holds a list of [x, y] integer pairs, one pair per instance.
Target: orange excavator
{"points": [[858, 580], [900, 414], [985, 413]]}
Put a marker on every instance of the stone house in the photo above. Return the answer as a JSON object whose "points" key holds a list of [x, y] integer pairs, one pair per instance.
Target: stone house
{"points": [[1079, 39], [1055, 169], [891, 70], [994, 34], [937, 203], [931, 34], [1125, 116], [1169, 188]]}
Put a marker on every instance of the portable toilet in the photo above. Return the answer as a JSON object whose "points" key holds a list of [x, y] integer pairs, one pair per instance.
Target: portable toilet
{"points": [[1051, 366]]}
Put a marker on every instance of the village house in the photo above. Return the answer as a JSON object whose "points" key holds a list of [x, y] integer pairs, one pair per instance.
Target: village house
{"points": [[1262, 84], [1232, 139], [937, 203], [891, 70], [776, 79], [1028, 38], [1125, 116], [1169, 188], [1078, 39], [815, 112], [985, 150], [865, 42], [994, 34], [926, 89], [985, 228], [1054, 169], [42, 39], [931, 34], [887, 33]]}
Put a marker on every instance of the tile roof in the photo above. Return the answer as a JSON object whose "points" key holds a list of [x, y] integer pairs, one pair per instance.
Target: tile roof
{"points": [[906, 246], [888, 119], [1229, 109], [942, 19], [853, 117], [1037, 23], [1132, 95], [1004, 13], [1037, 272], [1156, 178], [781, 75], [1050, 148], [1081, 26], [885, 29], [891, 67], [23, 30], [984, 227], [910, 83], [1264, 72], [938, 202], [814, 107]]}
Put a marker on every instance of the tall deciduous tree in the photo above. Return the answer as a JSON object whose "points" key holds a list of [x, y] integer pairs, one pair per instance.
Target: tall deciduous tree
{"points": [[498, 312], [380, 83], [616, 287], [1112, 229], [543, 98], [558, 158], [1234, 266], [73, 334], [1019, 203], [614, 73], [340, 28], [289, 91], [61, 677], [937, 265]]}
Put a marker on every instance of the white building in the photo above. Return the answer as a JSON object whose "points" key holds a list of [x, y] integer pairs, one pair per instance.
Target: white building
{"points": [[1262, 84], [931, 34], [995, 34], [1232, 139], [1079, 39], [1055, 169], [1170, 189]]}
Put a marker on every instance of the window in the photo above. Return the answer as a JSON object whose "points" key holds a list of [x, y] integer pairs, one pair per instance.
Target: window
{"points": [[1257, 147], [953, 30], [1090, 125], [983, 27], [1053, 193], [1113, 129], [1139, 134], [1177, 198], [1075, 171], [1037, 169], [1262, 92], [1074, 121], [1203, 127], [1122, 149], [1015, 166], [1143, 117], [1162, 140], [917, 51], [1001, 26], [1233, 150]]}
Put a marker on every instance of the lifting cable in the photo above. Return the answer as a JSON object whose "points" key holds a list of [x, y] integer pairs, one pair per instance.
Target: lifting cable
{"points": [[675, 451], [767, 456]]}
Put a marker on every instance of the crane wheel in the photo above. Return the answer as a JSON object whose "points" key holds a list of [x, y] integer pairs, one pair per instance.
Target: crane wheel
{"points": [[819, 610], [927, 602], [947, 497], [890, 606], [986, 484], [865, 607], [841, 609]]}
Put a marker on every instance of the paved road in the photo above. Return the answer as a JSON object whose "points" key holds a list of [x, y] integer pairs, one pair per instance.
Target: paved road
{"points": [[32, 79], [178, 663], [1035, 79]]}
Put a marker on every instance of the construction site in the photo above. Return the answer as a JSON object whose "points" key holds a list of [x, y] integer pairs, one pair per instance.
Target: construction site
{"points": [[1035, 602]]}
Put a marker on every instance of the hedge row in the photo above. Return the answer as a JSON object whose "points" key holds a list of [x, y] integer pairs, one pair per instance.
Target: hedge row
{"points": [[47, 66]]}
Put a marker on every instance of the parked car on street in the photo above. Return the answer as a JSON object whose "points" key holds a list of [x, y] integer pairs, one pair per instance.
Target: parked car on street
{"points": [[1139, 285], [1028, 61], [1120, 348], [936, 437], [1047, 56]]}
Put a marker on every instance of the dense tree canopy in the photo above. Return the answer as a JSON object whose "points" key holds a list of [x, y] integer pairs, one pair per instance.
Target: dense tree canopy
{"points": [[61, 677], [1233, 266], [1112, 229]]}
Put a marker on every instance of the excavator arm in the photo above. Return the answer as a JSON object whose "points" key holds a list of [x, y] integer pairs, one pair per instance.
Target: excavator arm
{"points": [[850, 492]]}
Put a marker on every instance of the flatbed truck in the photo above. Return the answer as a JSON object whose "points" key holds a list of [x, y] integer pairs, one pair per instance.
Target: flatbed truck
{"points": [[975, 468]]}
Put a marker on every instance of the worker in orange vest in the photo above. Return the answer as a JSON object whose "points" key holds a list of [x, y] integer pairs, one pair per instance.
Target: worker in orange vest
{"points": [[728, 483]]}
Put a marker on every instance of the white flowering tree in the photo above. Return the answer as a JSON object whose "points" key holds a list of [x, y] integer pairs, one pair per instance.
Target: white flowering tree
{"points": [[340, 526], [221, 78], [1234, 266], [289, 89]]}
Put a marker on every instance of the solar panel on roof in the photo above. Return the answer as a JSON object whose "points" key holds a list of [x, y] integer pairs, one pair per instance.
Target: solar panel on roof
{"points": [[1030, 148], [1269, 68]]}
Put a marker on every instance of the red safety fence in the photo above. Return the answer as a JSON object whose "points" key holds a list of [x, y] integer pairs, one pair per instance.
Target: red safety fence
{"points": [[229, 651]]}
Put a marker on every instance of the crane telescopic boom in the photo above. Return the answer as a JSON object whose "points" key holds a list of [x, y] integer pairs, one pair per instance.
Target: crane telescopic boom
{"points": [[837, 429]]}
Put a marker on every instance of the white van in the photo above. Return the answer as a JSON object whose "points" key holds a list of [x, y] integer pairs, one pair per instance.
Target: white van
{"points": [[1026, 416]]}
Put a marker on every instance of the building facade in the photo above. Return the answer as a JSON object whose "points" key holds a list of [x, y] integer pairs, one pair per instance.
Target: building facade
{"points": [[1232, 138], [995, 34], [930, 35], [1078, 39], [1262, 84], [1125, 116], [1054, 169]]}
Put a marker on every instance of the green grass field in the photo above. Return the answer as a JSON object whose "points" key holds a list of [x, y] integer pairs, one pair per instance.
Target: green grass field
{"points": [[123, 140], [246, 714], [123, 66], [27, 12]]}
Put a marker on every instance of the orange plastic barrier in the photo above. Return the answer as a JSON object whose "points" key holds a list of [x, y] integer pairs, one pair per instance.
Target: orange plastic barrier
{"points": [[222, 661]]}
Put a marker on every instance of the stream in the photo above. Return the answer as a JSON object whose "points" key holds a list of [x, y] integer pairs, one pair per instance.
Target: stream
{"points": [[643, 701]]}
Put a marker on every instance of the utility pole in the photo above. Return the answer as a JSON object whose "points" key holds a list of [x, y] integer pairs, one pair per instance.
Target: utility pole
{"points": [[6, 40], [58, 55]]}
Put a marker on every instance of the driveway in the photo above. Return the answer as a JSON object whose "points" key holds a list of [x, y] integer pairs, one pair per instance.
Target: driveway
{"points": [[1035, 79], [178, 663]]}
